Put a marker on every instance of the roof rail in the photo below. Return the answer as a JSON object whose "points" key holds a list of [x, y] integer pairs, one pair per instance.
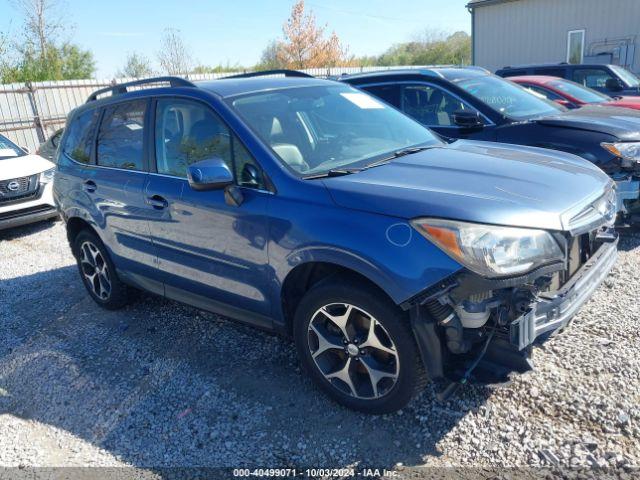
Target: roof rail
{"points": [[283, 71], [121, 88]]}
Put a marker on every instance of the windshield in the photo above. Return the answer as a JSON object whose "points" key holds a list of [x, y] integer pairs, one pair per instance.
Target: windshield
{"points": [[321, 128], [508, 98], [8, 149], [627, 77], [580, 92]]}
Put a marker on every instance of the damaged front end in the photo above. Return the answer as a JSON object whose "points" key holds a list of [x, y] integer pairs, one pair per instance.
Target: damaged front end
{"points": [[498, 318]]}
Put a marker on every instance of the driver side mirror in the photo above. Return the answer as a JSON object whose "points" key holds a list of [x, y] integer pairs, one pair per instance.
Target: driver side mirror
{"points": [[209, 174], [614, 84], [467, 119]]}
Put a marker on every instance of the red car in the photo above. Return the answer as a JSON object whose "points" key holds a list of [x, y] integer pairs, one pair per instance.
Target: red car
{"points": [[572, 94]]}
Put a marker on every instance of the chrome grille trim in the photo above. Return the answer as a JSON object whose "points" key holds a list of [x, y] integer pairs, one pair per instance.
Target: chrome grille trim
{"points": [[592, 214], [26, 186]]}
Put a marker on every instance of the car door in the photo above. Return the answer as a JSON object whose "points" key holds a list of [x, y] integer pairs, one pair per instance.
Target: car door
{"points": [[212, 251], [117, 187], [434, 107]]}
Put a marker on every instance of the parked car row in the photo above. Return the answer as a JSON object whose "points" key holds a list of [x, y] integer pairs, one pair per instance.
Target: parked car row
{"points": [[324, 210]]}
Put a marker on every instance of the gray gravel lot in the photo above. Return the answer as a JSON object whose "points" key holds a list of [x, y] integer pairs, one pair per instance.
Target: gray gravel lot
{"points": [[160, 384]]}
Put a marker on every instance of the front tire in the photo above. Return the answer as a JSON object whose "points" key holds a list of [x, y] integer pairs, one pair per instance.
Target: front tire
{"points": [[358, 347], [98, 272]]}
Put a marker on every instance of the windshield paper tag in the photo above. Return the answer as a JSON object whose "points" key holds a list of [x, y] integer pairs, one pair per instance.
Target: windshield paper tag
{"points": [[7, 152], [362, 100]]}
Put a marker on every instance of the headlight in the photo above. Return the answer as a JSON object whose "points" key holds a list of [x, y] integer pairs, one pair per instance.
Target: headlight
{"points": [[491, 251], [47, 175], [629, 152]]}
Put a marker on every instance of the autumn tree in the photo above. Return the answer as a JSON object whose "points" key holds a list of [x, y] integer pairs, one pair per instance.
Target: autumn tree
{"points": [[305, 44], [174, 55]]}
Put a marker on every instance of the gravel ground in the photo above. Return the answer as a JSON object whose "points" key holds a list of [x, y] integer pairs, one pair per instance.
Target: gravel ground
{"points": [[159, 384]]}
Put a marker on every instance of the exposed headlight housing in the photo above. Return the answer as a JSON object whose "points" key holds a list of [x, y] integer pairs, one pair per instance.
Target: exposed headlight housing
{"points": [[489, 250], [629, 152], [47, 175]]}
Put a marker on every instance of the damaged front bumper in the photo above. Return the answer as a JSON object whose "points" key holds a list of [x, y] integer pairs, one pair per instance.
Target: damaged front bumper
{"points": [[555, 311]]}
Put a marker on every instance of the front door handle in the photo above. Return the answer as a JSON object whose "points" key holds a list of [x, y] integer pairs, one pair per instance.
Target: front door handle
{"points": [[89, 186], [157, 202]]}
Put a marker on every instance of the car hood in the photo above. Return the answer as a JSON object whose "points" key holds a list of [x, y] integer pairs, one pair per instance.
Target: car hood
{"points": [[23, 166], [477, 182], [622, 123], [625, 102]]}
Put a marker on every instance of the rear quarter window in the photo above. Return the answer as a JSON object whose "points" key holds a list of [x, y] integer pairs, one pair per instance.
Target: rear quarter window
{"points": [[79, 139]]}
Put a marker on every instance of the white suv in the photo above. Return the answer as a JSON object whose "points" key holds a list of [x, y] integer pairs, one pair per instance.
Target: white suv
{"points": [[25, 186]]}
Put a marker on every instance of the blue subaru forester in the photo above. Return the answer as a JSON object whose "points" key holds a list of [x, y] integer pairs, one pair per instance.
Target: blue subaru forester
{"points": [[310, 208]]}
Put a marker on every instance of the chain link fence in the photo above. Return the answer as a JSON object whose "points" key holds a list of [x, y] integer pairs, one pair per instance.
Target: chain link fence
{"points": [[31, 112]]}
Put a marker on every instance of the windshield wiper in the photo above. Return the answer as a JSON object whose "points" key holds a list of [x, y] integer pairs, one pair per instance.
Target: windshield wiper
{"points": [[338, 172], [396, 154], [334, 172]]}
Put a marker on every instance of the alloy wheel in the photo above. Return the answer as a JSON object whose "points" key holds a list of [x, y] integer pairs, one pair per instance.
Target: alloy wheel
{"points": [[95, 270], [353, 351]]}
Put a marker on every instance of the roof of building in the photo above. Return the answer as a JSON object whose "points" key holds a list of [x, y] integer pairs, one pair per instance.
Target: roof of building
{"points": [[482, 3]]}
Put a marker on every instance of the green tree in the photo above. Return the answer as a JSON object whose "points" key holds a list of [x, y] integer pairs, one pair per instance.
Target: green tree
{"points": [[431, 48], [67, 62], [39, 54], [136, 66]]}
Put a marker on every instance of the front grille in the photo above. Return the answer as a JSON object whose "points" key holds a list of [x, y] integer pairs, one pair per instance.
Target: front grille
{"points": [[596, 214], [18, 188]]}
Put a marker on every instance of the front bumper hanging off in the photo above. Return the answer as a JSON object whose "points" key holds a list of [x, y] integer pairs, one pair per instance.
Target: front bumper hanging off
{"points": [[556, 311]]}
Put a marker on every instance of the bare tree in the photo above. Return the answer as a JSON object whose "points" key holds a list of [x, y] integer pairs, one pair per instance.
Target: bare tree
{"points": [[174, 55], [41, 23]]}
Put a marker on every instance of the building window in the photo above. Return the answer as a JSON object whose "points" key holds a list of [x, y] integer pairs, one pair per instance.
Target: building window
{"points": [[575, 47]]}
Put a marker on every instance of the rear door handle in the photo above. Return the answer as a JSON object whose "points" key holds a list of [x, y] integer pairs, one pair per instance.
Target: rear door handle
{"points": [[157, 202], [89, 186]]}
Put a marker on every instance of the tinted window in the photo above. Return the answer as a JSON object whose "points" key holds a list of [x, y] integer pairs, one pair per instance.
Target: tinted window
{"points": [[512, 73], [431, 105], [592, 77], [188, 131], [121, 136], [388, 93], [80, 136], [552, 72], [315, 129]]}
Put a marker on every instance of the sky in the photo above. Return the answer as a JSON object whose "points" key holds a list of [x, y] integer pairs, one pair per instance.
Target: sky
{"points": [[236, 31]]}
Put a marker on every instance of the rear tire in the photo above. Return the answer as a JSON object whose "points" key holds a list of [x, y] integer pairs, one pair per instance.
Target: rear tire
{"points": [[358, 346], [98, 272]]}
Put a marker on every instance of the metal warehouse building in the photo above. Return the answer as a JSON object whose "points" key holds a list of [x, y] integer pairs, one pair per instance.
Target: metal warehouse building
{"points": [[516, 32]]}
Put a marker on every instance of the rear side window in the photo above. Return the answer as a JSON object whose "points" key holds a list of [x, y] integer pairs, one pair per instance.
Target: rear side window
{"points": [[77, 145], [121, 136], [552, 72], [389, 93]]}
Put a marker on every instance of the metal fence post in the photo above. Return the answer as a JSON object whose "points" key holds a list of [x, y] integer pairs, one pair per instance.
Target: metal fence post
{"points": [[37, 120]]}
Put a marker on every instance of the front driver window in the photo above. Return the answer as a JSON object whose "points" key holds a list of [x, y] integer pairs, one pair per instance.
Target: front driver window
{"points": [[431, 105], [591, 77], [188, 132]]}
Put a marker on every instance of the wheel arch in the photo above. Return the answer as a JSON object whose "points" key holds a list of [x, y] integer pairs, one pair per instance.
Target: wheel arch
{"points": [[305, 276]]}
